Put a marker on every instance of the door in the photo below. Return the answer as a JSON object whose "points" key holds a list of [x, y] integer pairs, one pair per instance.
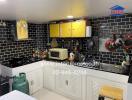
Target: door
{"points": [[65, 30], [62, 80], [30, 80], [54, 30], [75, 85], [69, 83], [49, 76], [94, 84], [35, 79], [79, 28]]}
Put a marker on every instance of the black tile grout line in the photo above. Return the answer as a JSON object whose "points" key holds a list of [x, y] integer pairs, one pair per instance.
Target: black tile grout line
{"points": [[10, 48], [40, 33]]}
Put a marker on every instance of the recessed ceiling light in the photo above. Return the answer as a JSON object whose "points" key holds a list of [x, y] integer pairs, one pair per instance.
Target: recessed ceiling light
{"points": [[69, 17]]}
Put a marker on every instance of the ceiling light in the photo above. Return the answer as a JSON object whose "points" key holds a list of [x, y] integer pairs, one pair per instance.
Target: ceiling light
{"points": [[69, 17]]}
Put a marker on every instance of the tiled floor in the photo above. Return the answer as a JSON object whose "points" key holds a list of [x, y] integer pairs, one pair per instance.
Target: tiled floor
{"points": [[47, 95]]}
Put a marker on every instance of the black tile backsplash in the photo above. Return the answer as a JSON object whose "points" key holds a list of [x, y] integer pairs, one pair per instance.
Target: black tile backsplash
{"points": [[38, 33], [10, 48], [103, 27]]}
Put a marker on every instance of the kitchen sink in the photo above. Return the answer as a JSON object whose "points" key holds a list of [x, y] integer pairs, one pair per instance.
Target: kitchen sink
{"points": [[112, 68]]}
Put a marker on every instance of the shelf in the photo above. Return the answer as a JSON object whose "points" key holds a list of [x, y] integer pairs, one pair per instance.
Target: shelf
{"points": [[24, 40]]}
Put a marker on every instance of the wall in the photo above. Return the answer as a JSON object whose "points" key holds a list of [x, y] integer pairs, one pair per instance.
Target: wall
{"points": [[10, 48], [103, 27]]}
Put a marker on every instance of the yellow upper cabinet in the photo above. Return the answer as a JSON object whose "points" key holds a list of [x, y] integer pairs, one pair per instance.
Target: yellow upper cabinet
{"points": [[79, 28], [54, 30], [68, 29], [65, 30]]}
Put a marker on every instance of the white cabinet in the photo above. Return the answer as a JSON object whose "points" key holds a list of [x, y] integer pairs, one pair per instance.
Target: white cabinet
{"points": [[69, 82], [49, 75], [74, 82], [34, 73], [79, 83], [95, 83], [35, 79]]}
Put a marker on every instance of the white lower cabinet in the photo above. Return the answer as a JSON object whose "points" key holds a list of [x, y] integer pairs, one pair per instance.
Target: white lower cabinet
{"points": [[35, 79], [95, 83], [80, 83], [49, 75], [69, 82]]}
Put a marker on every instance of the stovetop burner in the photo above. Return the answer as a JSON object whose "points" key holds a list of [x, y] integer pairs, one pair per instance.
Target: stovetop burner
{"points": [[16, 62]]}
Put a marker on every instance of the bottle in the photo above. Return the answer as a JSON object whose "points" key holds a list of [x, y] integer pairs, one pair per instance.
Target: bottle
{"points": [[71, 57]]}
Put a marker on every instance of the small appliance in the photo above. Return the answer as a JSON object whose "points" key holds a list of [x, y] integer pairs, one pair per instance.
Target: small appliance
{"points": [[58, 53]]}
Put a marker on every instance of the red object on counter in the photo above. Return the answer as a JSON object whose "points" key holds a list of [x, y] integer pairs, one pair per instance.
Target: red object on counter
{"points": [[128, 36], [109, 43]]}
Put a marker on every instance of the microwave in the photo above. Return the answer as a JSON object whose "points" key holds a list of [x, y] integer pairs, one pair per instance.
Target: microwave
{"points": [[58, 53]]}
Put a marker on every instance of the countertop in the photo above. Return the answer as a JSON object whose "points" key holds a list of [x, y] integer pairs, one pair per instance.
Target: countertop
{"points": [[90, 65], [95, 66], [16, 95]]}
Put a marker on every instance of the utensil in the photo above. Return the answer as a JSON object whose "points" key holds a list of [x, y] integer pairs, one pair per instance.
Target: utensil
{"points": [[81, 58], [54, 43], [90, 44]]}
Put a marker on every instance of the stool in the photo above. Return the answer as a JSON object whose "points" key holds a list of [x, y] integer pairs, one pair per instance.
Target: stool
{"points": [[110, 92]]}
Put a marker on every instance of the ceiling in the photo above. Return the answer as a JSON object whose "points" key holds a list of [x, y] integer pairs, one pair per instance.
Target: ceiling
{"points": [[40, 11]]}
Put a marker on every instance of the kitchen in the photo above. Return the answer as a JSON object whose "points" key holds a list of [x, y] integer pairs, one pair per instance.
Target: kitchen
{"points": [[69, 50]]}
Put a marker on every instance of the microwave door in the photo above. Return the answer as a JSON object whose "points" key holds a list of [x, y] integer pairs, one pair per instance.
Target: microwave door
{"points": [[54, 54]]}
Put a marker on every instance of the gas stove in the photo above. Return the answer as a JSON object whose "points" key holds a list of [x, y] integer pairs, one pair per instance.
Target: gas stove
{"points": [[16, 62], [89, 64]]}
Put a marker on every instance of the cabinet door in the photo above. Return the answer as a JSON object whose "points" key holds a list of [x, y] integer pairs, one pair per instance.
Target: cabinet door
{"points": [[79, 28], [69, 83], [62, 80], [75, 85], [49, 77], [30, 80], [94, 84], [54, 30], [65, 30], [35, 79]]}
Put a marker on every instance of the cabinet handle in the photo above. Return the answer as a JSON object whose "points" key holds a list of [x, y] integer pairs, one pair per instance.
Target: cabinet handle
{"points": [[32, 82], [60, 30], [67, 82]]}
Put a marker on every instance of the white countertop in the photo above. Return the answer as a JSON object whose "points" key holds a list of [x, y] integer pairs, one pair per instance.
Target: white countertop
{"points": [[16, 95]]}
